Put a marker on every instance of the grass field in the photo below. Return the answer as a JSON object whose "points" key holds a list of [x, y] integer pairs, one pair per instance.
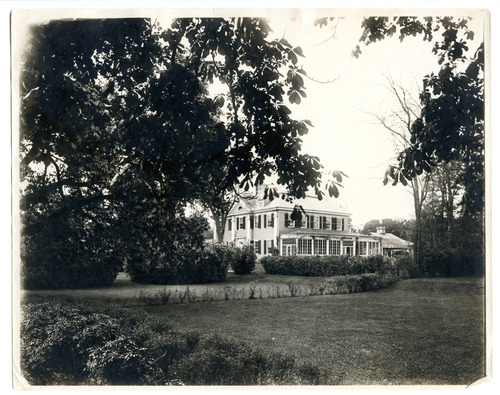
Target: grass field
{"points": [[419, 331], [415, 332]]}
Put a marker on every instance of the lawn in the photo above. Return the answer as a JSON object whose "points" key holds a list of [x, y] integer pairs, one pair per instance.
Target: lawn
{"points": [[416, 332], [419, 331]]}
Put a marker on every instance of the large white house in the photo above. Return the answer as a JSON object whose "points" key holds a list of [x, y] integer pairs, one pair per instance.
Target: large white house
{"points": [[323, 230]]}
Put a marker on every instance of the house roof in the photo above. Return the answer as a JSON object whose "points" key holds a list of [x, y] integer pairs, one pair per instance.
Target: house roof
{"points": [[309, 204], [326, 233], [392, 241], [315, 232]]}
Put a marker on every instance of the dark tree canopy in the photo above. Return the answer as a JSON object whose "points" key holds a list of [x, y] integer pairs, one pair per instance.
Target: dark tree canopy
{"points": [[119, 126]]}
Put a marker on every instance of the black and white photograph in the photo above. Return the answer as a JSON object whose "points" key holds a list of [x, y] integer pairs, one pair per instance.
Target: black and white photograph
{"points": [[267, 197]]}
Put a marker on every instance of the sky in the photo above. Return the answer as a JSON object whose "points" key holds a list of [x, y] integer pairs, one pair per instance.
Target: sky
{"points": [[346, 135]]}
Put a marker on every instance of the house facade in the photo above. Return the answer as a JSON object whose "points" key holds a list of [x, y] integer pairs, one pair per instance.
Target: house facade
{"points": [[324, 229]]}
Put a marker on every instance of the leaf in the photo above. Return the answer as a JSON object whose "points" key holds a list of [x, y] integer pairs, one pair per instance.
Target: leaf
{"points": [[292, 57], [298, 51], [333, 191], [294, 97], [285, 43]]}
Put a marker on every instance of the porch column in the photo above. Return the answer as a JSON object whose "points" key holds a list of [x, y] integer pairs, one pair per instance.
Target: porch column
{"points": [[233, 228], [276, 225], [249, 231]]}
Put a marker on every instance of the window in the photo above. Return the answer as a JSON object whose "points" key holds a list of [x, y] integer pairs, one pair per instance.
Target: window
{"points": [[258, 222], [242, 223], [334, 223], [251, 221], [288, 222], [319, 247], [305, 246], [373, 248], [257, 246], [229, 224], [361, 247], [317, 222], [270, 222], [334, 247]]}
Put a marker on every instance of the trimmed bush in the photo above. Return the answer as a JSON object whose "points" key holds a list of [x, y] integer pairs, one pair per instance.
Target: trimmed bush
{"points": [[174, 253], [181, 267], [328, 266], [55, 253], [244, 260], [62, 345]]}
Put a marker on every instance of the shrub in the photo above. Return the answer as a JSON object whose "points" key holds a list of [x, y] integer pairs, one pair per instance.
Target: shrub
{"points": [[244, 260], [176, 254], [75, 346], [327, 266], [221, 360], [55, 340], [55, 253], [181, 267], [121, 362]]}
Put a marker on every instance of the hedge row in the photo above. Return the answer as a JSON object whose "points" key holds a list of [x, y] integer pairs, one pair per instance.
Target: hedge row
{"points": [[63, 345], [330, 266], [358, 283], [184, 266]]}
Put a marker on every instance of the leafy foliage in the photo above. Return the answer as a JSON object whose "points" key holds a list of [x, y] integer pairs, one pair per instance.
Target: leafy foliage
{"points": [[451, 124], [64, 345], [328, 266], [244, 260], [118, 128], [448, 131], [172, 252]]}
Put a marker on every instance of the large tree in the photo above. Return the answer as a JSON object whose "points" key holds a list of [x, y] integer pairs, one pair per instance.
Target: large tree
{"points": [[119, 127], [451, 123], [450, 127]]}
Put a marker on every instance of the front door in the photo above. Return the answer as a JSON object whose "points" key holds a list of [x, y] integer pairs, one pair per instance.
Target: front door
{"points": [[347, 251]]}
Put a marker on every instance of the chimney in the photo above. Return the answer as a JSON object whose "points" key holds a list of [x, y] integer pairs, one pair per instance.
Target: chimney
{"points": [[381, 229]]}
